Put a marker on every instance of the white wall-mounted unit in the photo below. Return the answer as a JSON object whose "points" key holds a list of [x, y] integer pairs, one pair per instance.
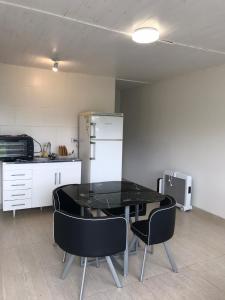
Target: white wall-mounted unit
{"points": [[179, 186]]}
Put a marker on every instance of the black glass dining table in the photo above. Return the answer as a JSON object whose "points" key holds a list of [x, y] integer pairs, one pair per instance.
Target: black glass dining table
{"points": [[113, 194]]}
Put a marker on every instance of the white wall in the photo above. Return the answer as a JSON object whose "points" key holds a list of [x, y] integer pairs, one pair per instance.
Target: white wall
{"points": [[45, 104], [179, 124]]}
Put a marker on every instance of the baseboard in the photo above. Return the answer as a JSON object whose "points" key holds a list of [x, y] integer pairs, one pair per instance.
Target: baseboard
{"points": [[205, 212]]}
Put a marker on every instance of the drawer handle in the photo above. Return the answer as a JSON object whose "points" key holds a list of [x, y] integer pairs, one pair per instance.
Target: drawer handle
{"points": [[22, 184], [18, 194], [18, 174], [18, 204]]}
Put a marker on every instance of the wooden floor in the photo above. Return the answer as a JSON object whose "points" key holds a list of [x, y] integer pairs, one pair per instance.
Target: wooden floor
{"points": [[30, 265]]}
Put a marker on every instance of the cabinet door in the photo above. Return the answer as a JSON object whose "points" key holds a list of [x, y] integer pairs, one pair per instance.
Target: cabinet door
{"points": [[69, 173], [48, 176], [45, 179]]}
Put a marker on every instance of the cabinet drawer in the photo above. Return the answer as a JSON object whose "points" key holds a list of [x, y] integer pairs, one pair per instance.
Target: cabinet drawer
{"points": [[17, 184], [17, 174], [16, 195], [17, 204]]}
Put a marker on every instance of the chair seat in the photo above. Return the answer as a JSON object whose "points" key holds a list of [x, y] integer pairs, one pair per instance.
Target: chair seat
{"points": [[141, 228], [120, 211]]}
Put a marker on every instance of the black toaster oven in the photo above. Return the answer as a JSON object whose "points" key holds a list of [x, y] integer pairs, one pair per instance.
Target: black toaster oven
{"points": [[14, 147]]}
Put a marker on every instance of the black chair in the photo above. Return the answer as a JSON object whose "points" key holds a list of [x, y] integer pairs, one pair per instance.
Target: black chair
{"points": [[62, 202], [158, 228], [90, 237], [119, 211]]}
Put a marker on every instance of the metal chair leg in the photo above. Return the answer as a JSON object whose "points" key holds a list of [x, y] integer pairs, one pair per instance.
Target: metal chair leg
{"points": [[83, 277], [67, 266], [143, 264], [133, 243], [64, 257], [151, 249], [113, 271], [137, 244], [170, 257], [97, 262]]}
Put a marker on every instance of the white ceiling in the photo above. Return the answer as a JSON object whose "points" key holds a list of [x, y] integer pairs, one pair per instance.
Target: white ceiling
{"points": [[30, 37]]}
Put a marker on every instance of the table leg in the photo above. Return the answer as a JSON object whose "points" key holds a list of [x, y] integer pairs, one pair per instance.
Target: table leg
{"points": [[82, 211], [126, 252], [136, 219], [136, 212]]}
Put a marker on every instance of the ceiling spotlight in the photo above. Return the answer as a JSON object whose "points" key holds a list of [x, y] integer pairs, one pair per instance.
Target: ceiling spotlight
{"points": [[55, 67], [145, 35]]}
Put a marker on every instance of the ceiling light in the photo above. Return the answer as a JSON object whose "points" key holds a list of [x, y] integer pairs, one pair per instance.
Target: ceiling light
{"points": [[55, 67], [145, 35]]}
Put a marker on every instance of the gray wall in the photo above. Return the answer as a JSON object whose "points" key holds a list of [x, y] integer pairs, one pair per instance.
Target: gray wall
{"points": [[117, 101], [179, 124]]}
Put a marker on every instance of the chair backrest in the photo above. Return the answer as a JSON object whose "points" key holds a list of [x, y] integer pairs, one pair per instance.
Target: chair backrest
{"points": [[62, 202], [89, 237], [162, 221]]}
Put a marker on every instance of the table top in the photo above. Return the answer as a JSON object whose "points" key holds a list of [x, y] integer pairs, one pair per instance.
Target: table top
{"points": [[111, 194]]}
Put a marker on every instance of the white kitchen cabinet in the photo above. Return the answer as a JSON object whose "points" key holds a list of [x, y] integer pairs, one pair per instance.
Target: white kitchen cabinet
{"points": [[48, 176], [31, 184], [16, 186], [18, 172], [44, 182], [69, 174]]}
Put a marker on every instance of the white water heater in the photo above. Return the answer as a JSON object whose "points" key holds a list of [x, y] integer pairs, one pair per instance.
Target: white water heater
{"points": [[179, 186]]}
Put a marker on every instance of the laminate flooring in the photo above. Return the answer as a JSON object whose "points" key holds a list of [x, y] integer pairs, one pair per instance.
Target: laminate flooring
{"points": [[30, 265]]}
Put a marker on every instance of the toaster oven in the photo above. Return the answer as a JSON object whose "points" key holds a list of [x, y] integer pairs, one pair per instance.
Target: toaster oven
{"points": [[14, 147]]}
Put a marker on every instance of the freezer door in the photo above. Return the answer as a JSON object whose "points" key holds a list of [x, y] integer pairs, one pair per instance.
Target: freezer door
{"points": [[107, 127], [106, 161]]}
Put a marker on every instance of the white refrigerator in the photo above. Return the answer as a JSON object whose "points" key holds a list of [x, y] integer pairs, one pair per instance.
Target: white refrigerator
{"points": [[100, 146]]}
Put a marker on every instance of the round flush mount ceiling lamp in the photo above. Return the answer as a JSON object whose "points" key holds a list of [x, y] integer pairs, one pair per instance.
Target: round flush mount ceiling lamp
{"points": [[55, 67], [145, 35]]}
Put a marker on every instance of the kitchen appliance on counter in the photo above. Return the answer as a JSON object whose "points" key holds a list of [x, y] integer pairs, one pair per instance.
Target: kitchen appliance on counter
{"points": [[13, 147], [100, 146]]}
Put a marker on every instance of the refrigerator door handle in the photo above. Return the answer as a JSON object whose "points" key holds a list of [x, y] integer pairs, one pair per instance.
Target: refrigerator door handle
{"points": [[93, 135], [93, 148]]}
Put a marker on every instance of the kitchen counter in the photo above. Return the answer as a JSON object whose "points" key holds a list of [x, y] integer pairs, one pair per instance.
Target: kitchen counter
{"points": [[29, 184], [43, 160]]}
